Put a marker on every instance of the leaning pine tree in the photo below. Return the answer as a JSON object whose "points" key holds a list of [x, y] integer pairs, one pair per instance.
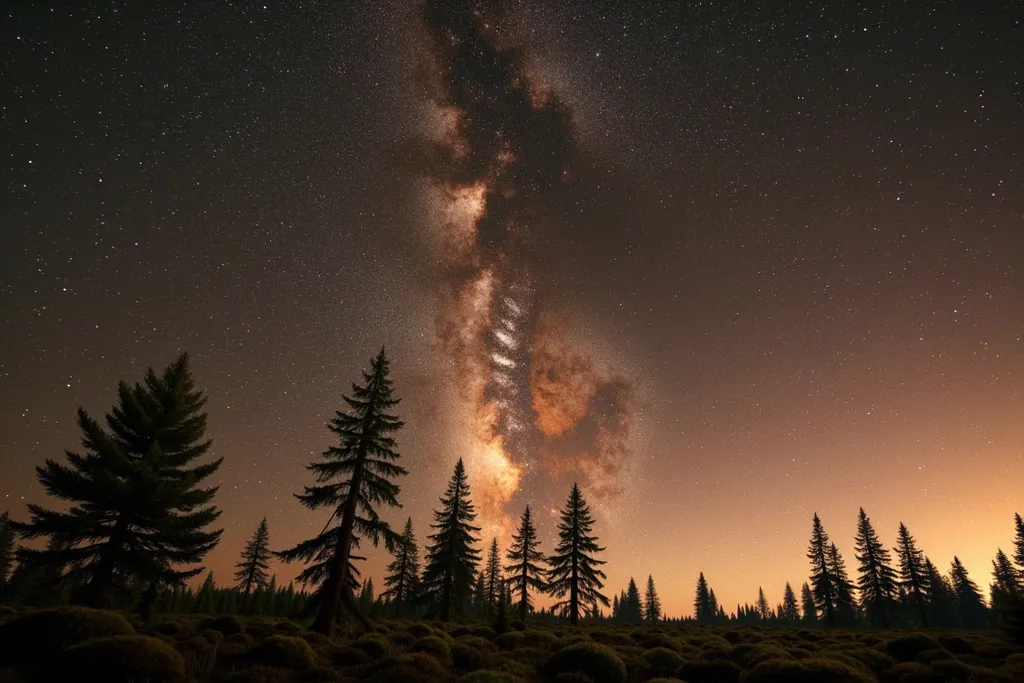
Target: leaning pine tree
{"points": [[574, 572], [403, 577], [252, 570], [523, 569], [137, 509], [452, 559], [877, 581], [353, 477]]}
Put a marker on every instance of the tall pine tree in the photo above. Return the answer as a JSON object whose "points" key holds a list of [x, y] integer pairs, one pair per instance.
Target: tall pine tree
{"points": [[822, 581], [353, 478], [703, 610], [877, 578], [523, 568], [940, 603], [764, 612], [1018, 546], [631, 608], [494, 576], [574, 571], [402, 581], [6, 551], [138, 511], [973, 612], [809, 612], [451, 557], [652, 604], [912, 572], [255, 563], [790, 612], [846, 607]]}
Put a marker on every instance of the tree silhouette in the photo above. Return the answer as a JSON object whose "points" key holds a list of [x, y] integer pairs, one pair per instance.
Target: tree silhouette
{"points": [[939, 599], [973, 613], [631, 607], [846, 607], [877, 580], [403, 577], [6, 551], [764, 612], [702, 608], [494, 576], [912, 574], [1006, 580], [1018, 546], [451, 558], [809, 611], [574, 571], [790, 612], [523, 566], [822, 582], [255, 563], [138, 511], [652, 605], [353, 478]]}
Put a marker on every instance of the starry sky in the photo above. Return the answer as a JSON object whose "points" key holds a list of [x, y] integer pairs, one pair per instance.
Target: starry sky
{"points": [[726, 264]]}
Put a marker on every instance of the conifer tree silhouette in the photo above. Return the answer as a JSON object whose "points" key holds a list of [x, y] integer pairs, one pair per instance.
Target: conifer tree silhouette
{"points": [[479, 600], [822, 581], [846, 606], [573, 570], [1018, 546], [402, 581], [790, 612], [652, 605], [763, 611], [877, 581], [809, 612], [523, 568], [702, 607], [912, 572], [6, 551], [452, 559], [494, 576], [137, 509], [973, 612], [1005, 578], [255, 563], [940, 603], [352, 479]]}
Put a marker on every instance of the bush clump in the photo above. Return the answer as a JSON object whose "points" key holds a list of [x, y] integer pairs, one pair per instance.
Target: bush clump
{"points": [[471, 652], [38, 636], [415, 667], [433, 646], [419, 630], [349, 656], [261, 674], [490, 677], [597, 662], [907, 648], [662, 661], [374, 644], [510, 640], [288, 652], [711, 671], [121, 658], [228, 624], [805, 671]]}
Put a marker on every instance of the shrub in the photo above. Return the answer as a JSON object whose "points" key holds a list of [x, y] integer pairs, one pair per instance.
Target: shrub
{"points": [[805, 671], [611, 638], [656, 639], [952, 670], [283, 651], [597, 662], [711, 671], [213, 637], [228, 624], [484, 632], [1015, 664], [433, 646], [534, 636], [907, 648], [748, 655], [929, 656], [419, 630], [166, 628], [909, 670], [517, 625], [490, 677], [38, 636], [287, 627], [956, 645], [374, 644], [662, 661], [261, 674], [510, 640], [470, 652], [349, 656], [121, 658], [408, 668], [243, 639]]}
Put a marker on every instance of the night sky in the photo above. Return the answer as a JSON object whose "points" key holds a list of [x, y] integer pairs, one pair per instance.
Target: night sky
{"points": [[726, 264]]}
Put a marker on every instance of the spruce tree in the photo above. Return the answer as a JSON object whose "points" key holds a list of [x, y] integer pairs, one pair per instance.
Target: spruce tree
{"points": [[763, 611], [1018, 546], [715, 609], [790, 612], [494, 576], [6, 551], [138, 512], [973, 612], [204, 603], [809, 610], [523, 566], [821, 578], [479, 601], [877, 580], [652, 605], [451, 558], [1005, 579], [402, 581], [574, 571], [703, 611], [255, 563], [634, 611], [939, 598], [912, 572], [352, 479], [846, 606]]}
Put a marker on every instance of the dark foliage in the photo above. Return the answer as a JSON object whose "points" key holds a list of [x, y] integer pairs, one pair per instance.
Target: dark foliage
{"points": [[574, 573]]}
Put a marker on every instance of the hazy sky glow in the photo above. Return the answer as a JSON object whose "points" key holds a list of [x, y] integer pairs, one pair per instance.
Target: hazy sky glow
{"points": [[727, 266]]}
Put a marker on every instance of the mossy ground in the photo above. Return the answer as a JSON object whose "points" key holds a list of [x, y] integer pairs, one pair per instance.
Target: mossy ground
{"points": [[203, 649]]}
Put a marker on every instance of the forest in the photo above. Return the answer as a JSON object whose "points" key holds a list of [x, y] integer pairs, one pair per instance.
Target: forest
{"points": [[104, 583]]}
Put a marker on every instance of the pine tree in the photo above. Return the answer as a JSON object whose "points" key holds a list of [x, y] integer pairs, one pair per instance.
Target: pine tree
{"points": [[877, 580], [912, 574], [451, 558], [255, 563], [615, 607], [652, 605], [1018, 546], [494, 576], [702, 609], [1006, 581], [973, 612], [523, 566], [366, 596], [821, 578], [6, 551], [480, 595], [790, 611], [402, 581], [352, 477], [846, 607], [634, 610], [939, 599], [715, 609], [763, 611], [204, 603], [573, 569], [809, 612], [137, 510]]}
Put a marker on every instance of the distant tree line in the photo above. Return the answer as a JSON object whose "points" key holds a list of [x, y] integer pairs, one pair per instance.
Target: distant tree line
{"points": [[140, 523]]}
